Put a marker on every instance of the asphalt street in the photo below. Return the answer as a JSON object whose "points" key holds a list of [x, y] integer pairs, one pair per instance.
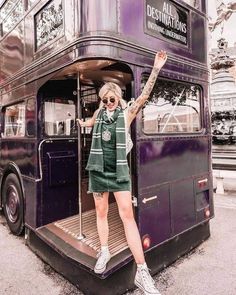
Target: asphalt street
{"points": [[209, 269]]}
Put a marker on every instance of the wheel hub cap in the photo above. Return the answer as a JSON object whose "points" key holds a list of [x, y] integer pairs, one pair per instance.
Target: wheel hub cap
{"points": [[12, 205]]}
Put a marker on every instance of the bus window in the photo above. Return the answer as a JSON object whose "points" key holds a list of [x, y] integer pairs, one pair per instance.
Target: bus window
{"points": [[10, 14], [49, 23], [59, 117], [173, 108], [14, 121]]}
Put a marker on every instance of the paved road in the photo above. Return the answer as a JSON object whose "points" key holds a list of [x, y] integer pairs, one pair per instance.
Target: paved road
{"points": [[208, 270], [23, 273]]}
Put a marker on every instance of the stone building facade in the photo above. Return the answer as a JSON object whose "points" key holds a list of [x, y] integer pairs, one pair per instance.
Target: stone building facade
{"points": [[223, 93]]}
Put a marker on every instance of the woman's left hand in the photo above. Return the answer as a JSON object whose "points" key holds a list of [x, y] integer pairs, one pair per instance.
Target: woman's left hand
{"points": [[160, 59]]}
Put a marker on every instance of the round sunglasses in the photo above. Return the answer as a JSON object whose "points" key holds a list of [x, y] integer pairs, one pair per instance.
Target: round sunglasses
{"points": [[106, 100]]}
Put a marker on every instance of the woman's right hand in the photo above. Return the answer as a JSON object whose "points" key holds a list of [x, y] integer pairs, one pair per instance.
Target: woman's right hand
{"points": [[160, 59], [81, 122]]}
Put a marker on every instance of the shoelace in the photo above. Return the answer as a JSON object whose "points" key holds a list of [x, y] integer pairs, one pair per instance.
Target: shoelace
{"points": [[98, 254], [102, 256], [147, 277]]}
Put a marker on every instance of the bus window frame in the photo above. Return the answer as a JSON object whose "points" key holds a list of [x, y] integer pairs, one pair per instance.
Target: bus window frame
{"points": [[174, 134], [48, 43], [3, 111], [43, 129], [27, 134], [2, 34]]}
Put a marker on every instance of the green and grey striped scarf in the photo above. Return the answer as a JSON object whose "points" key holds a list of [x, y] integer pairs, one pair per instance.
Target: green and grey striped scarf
{"points": [[95, 161]]}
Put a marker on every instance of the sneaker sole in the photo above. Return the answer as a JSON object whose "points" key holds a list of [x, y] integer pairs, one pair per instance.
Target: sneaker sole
{"points": [[145, 291], [100, 271]]}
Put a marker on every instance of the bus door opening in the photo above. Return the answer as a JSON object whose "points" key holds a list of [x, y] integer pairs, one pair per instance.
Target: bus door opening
{"points": [[65, 154], [89, 103]]}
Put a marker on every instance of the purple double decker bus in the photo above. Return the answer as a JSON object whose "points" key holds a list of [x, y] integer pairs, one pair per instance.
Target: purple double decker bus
{"points": [[54, 57]]}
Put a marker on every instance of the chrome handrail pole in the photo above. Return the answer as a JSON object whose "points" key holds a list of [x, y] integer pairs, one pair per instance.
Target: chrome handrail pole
{"points": [[80, 235]]}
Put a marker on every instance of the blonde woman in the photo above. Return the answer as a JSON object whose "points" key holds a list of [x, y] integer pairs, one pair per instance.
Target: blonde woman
{"points": [[109, 171]]}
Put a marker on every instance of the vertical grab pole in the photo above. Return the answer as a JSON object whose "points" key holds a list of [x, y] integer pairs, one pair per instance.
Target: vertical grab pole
{"points": [[80, 236]]}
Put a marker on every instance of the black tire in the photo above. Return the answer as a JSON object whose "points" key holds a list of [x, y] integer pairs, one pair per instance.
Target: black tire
{"points": [[13, 204]]}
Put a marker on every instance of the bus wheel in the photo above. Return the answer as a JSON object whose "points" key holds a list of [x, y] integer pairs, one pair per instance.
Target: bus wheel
{"points": [[13, 204]]}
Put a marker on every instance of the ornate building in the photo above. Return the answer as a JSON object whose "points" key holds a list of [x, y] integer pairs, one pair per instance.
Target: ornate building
{"points": [[223, 87], [223, 93]]}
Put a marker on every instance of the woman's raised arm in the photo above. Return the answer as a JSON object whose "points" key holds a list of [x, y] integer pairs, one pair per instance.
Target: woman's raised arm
{"points": [[136, 106]]}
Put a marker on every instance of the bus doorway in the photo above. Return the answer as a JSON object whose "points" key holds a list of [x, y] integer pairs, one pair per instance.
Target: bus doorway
{"points": [[64, 179]]}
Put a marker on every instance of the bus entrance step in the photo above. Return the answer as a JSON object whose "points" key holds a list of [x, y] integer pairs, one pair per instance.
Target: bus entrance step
{"points": [[70, 229], [77, 267]]}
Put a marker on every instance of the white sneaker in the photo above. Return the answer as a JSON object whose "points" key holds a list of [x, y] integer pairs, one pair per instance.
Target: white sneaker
{"points": [[144, 281], [103, 257]]}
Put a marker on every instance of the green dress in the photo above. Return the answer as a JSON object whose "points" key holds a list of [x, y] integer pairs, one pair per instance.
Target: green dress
{"points": [[106, 181]]}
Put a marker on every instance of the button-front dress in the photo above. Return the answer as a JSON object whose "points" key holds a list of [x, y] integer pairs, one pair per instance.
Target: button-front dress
{"points": [[107, 181]]}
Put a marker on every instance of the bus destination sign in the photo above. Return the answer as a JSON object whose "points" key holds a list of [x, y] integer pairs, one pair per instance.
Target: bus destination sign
{"points": [[166, 19]]}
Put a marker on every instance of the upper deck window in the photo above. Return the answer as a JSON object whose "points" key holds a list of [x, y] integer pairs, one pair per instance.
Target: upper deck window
{"points": [[10, 14], [59, 117], [173, 108], [49, 23], [6, 8]]}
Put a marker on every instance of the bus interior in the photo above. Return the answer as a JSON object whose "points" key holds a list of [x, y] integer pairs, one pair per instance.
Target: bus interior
{"points": [[57, 101]]}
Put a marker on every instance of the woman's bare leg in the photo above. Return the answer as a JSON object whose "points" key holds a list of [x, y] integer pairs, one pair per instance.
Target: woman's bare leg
{"points": [[101, 206], [143, 279], [124, 202]]}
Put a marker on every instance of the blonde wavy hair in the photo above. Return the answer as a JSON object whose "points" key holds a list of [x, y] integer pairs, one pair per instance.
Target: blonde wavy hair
{"points": [[110, 86]]}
